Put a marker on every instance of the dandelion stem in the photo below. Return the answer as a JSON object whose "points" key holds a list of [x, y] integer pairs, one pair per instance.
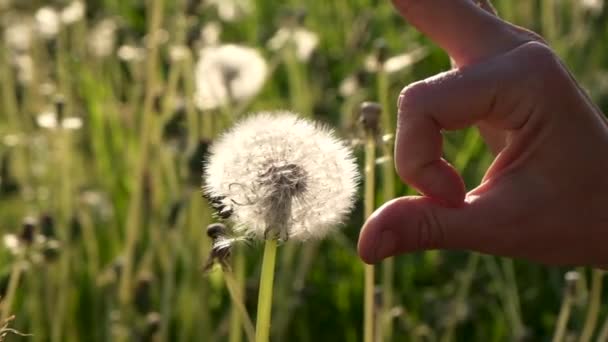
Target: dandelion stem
{"points": [[593, 309], [235, 282], [262, 332], [7, 302], [239, 315], [603, 335], [388, 265], [135, 205], [564, 316], [370, 161]]}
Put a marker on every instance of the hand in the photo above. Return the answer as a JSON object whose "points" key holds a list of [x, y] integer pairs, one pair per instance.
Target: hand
{"points": [[545, 196]]}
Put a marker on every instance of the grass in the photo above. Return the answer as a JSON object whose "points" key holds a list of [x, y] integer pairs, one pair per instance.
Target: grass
{"points": [[122, 192]]}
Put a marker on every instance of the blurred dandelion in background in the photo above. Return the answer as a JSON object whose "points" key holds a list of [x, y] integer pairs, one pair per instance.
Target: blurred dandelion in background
{"points": [[102, 39], [594, 6], [304, 41], [228, 73], [231, 10], [283, 176], [19, 35], [47, 22], [73, 13]]}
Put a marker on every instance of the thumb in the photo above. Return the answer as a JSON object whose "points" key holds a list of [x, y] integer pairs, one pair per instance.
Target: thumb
{"points": [[486, 223]]}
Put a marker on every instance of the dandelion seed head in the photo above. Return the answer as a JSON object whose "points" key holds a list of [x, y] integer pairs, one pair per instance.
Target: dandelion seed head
{"points": [[47, 22], [210, 33], [594, 6], [103, 38], [228, 72], [131, 53], [231, 10], [304, 41], [73, 12], [19, 35], [283, 177]]}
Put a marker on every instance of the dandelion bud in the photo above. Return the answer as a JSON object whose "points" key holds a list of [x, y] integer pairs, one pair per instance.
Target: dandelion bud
{"points": [[282, 177], [28, 230], [381, 50], [59, 106], [370, 117], [47, 226], [152, 325], [215, 230], [142, 292]]}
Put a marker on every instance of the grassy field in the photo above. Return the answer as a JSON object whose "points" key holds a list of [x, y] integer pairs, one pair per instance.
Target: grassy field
{"points": [[102, 140]]}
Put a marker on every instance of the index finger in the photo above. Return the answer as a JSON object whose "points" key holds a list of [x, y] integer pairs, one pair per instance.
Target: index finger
{"points": [[466, 31]]}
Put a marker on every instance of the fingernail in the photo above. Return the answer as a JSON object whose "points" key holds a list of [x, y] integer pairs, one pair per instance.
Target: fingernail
{"points": [[386, 244]]}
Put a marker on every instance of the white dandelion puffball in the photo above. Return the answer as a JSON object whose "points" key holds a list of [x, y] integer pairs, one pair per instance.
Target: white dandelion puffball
{"points": [[304, 41], [228, 72], [281, 176]]}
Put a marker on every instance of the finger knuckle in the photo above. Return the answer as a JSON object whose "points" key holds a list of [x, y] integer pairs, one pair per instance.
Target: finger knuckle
{"points": [[411, 98], [543, 66]]}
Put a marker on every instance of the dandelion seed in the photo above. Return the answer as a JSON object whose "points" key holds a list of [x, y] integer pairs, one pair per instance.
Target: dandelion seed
{"points": [[73, 13], [228, 73], [396, 63], [304, 41], [47, 22], [282, 176], [103, 38]]}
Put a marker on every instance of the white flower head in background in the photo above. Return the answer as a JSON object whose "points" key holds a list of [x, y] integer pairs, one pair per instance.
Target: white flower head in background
{"points": [[304, 41], [102, 39], [231, 10], [131, 53], [19, 35], [73, 12], [228, 73], [594, 6], [47, 22], [50, 120], [210, 33], [282, 177]]}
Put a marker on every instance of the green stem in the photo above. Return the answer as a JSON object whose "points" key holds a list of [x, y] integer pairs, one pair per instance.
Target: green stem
{"points": [[594, 306], [7, 302], [370, 162], [262, 331], [461, 296], [236, 283], [133, 216], [513, 298], [603, 336], [564, 316], [388, 265], [238, 315]]}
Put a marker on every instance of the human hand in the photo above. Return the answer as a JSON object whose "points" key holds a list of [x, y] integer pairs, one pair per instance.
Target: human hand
{"points": [[545, 196]]}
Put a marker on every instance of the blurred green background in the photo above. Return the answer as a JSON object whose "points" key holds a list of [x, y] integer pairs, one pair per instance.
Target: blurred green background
{"points": [[101, 155]]}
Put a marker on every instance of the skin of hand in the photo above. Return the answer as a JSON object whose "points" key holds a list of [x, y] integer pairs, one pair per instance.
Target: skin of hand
{"points": [[545, 196]]}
